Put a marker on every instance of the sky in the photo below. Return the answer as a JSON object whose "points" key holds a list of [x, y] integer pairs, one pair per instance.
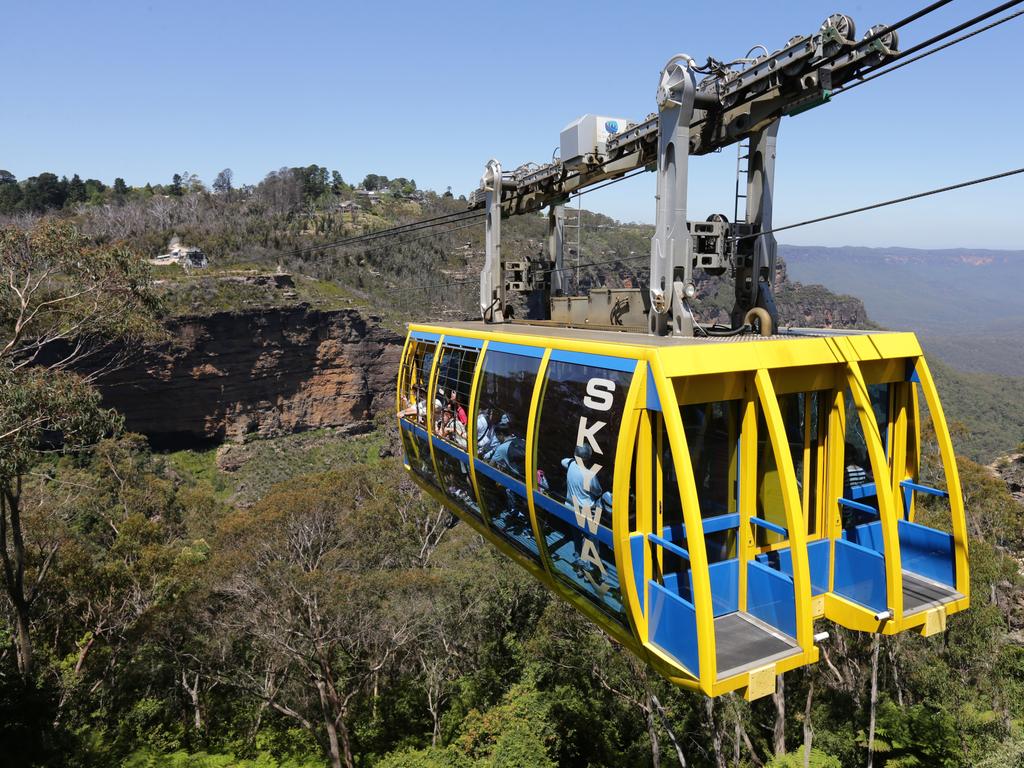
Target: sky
{"points": [[431, 91]]}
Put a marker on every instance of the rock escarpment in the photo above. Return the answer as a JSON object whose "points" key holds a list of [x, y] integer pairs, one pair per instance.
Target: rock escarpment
{"points": [[1010, 469], [260, 372]]}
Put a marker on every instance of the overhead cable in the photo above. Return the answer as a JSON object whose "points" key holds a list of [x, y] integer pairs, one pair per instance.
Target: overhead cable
{"points": [[905, 61], [415, 226], [884, 203]]}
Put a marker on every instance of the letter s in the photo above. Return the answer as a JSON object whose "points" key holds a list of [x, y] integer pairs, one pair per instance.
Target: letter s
{"points": [[599, 394]]}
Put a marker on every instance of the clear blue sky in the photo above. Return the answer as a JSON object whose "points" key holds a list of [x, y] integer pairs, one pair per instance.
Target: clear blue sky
{"points": [[430, 91]]}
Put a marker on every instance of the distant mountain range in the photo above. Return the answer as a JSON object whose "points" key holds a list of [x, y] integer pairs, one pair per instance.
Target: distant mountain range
{"points": [[966, 305]]}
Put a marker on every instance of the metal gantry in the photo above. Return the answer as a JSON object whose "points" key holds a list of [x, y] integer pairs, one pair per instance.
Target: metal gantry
{"points": [[734, 102]]}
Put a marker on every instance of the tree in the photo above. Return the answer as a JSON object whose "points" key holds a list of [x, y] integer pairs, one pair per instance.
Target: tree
{"points": [[68, 300], [10, 192], [176, 188], [43, 192], [318, 581], [94, 189], [222, 184], [120, 188], [374, 182], [76, 190], [338, 184]]}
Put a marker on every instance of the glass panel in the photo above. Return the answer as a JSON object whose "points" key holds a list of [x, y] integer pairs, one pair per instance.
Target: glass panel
{"points": [[455, 481], [419, 459], [675, 570], [580, 416], [800, 418], [769, 503], [712, 437], [858, 476], [415, 378], [503, 409], [454, 381]]}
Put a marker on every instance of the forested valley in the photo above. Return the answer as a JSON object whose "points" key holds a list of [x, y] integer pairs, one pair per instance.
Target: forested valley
{"points": [[170, 608]]}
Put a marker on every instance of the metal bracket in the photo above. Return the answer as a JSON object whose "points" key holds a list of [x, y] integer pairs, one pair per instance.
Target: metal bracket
{"points": [[492, 279], [556, 240], [671, 264]]}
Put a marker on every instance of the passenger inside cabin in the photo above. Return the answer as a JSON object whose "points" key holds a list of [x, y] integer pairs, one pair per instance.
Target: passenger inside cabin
{"points": [[856, 475], [585, 488], [451, 429], [485, 435], [500, 433], [457, 409], [417, 409], [510, 458]]}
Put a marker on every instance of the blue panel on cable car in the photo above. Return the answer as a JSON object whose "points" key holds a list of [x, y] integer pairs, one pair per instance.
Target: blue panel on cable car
{"points": [[860, 575], [515, 349], [461, 342], [425, 336], [595, 361], [653, 401], [673, 626], [927, 552]]}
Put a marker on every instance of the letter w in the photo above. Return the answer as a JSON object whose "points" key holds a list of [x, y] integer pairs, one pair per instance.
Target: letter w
{"points": [[587, 517]]}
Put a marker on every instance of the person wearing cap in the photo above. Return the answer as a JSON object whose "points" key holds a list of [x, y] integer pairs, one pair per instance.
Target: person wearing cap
{"points": [[576, 485], [502, 434]]}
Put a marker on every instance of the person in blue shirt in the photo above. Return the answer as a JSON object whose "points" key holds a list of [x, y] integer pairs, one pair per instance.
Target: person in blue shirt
{"points": [[575, 481]]}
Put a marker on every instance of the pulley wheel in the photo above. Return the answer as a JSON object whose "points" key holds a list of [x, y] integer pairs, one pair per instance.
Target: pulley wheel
{"points": [[759, 321], [890, 39], [842, 24]]}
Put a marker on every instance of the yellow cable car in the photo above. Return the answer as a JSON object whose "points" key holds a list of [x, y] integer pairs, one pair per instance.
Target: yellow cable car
{"points": [[703, 500]]}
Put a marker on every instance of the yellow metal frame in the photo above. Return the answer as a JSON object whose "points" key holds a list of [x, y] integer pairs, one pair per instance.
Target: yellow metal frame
{"points": [[755, 373]]}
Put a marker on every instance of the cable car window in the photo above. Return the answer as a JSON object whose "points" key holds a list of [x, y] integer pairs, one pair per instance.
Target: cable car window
{"points": [[454, 381], [799, 412], [455, 371], [413, 406], [712, 437], [858, 474], [415, 379], [674, 571], [503, 409], [769, 501], [580, 415]]}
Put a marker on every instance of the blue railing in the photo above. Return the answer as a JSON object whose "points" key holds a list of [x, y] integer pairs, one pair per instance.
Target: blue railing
{"points": [[775, 528], [909, 487], [858, 506], [675, 549]]}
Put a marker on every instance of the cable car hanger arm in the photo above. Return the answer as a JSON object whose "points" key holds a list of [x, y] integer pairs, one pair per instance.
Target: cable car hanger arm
{"points": [[726, 107]]}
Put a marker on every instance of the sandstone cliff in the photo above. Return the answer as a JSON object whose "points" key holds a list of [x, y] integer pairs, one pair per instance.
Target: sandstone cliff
{"points": [[266, 372]]}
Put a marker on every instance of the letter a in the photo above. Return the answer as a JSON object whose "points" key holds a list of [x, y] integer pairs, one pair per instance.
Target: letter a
{"points": [[588, 554]]}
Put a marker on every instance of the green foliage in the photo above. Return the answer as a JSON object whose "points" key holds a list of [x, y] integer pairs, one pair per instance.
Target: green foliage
{"points": [[990, 407], [518, 731], [818, 759], [432, 757], [915, 736], [148, 758]]}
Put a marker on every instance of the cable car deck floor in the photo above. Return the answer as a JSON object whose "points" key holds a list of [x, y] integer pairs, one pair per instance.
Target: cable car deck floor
{"points": [[743, 642], [920, 593]]}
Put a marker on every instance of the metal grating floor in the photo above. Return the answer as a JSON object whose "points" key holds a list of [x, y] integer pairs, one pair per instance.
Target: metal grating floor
{"points": [[743, 642], [919, 593]]}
